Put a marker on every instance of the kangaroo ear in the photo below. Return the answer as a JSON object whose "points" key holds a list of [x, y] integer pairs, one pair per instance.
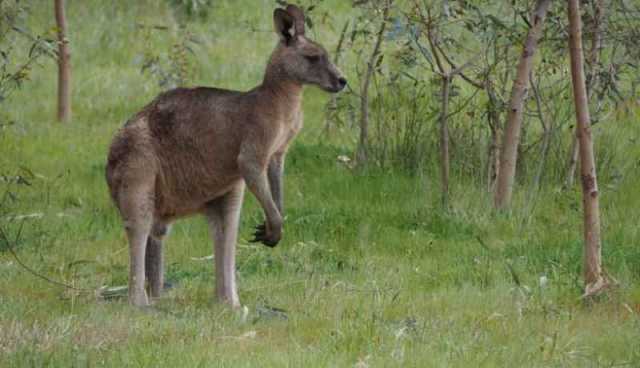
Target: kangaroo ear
{"points": [[298, 16], [284, 25]]}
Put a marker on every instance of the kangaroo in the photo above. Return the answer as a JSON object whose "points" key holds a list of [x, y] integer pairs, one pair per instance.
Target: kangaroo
{"points": [[193, 150]]}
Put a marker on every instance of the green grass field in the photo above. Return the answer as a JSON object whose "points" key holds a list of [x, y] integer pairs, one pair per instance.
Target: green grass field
{"points": [[371, 271]]}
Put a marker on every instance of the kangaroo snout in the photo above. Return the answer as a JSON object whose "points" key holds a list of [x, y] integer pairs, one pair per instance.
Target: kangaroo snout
{"points": [[342, 82], [337, 85]]}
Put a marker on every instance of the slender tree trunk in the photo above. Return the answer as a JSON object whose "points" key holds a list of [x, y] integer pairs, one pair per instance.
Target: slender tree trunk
{"points": [[493, 154], [546, 145], [446, 9], [547, 130], [444, 140], [64, 64], [596, 45], [593, 278], [362, 155], [444, 108], [521, 156], [493, 159], [332, 105], [594, 59], [511, 139]]}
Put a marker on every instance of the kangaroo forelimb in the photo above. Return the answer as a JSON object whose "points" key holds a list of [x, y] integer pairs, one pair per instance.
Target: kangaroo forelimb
{"points": [[255, 177]]}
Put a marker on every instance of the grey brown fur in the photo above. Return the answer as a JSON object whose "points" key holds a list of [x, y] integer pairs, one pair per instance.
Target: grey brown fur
{"points": [[193, 150]]}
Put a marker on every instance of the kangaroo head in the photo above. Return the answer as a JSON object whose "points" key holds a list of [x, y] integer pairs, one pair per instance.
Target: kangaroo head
{"points": [[299, 59]]}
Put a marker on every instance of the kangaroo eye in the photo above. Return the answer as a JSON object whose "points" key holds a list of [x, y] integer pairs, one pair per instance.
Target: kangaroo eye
{"points": [[312, 58]]}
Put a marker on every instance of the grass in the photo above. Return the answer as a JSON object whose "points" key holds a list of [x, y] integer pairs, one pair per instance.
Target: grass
{"points": [[371, 271]]}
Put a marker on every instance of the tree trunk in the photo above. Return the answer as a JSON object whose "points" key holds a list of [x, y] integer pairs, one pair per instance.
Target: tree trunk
{"points": [[493, 159], [332, 105], [594, 59], [547, 130], [511, 139], [446, 9], [362, 154], [593, 278], [493, 154], [64, 65], [444, 140]]}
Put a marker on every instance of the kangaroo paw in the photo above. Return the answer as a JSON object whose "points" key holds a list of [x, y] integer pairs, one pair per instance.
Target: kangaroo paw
{"points": [[261, 236]]}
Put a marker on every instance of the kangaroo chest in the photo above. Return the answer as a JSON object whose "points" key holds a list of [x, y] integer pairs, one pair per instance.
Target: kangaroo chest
{"points": [[288, 129]]}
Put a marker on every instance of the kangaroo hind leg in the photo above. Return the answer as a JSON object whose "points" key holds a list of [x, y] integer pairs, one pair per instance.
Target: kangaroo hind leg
{"points": [[154, 258], [224, 216], [136, 207]]}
